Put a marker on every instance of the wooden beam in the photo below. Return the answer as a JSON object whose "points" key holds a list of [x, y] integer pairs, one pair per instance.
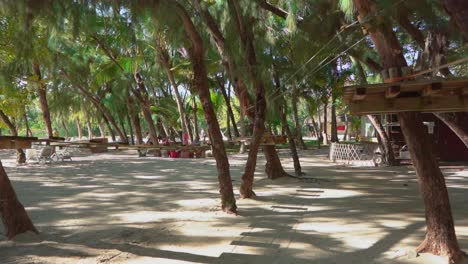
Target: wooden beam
{"points": [[359, 94], [450, 103], [392, 91], [431, 89]]}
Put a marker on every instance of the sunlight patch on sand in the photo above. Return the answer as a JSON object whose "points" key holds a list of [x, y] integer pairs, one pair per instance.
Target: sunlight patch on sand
{"points": [[153, 216]]}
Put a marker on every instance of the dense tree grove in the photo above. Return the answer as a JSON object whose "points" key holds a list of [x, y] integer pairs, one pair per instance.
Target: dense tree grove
{"points": [[232, 68]]}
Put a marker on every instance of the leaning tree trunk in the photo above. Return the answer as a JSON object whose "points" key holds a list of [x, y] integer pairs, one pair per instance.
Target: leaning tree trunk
{"points": [[196, 51], [386, 143], [102, 130], [450, 119], [42, 93], [14, 216], [292, 146], [440, 233], [65, 128]]}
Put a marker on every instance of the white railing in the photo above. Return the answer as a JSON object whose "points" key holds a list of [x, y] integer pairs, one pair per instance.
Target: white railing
{"points": [[362, 154]]}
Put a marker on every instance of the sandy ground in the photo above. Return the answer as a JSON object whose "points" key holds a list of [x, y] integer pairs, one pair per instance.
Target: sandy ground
{"points": [[118, 208]]}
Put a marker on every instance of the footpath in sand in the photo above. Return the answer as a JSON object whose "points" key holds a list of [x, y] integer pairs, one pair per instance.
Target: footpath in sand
{"points": [[118, 208]]}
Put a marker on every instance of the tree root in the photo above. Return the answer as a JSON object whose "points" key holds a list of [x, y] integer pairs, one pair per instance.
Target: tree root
{"points": [[454, 256]]}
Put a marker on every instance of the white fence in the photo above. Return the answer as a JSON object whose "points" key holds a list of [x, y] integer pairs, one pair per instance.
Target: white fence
{"points": [[361, 154]]}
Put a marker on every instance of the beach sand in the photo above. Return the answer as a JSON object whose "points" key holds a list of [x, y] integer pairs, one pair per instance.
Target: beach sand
{"points": [[117, 208]]}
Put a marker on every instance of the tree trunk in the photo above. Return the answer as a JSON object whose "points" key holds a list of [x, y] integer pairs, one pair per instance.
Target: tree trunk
{"points": [[102, 130], [90, 130], [109, 126], [292, 143], [451, 120], [242, 148], [273, 168], [334, 129], [440, 233], [196, 51], [245, 33], [65, 128], [345, 135], [166, 62], [78, 128], [108, 117], [29, 133], [386, 143], [297, 123], [458, 12], [14, 216], [42, 93], [325, 123], [137, 125], [195, 119], [132, 135], [149, 122], [230, 113]]}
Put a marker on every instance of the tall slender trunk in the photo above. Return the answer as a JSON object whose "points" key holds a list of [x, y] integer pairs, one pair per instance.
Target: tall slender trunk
{"points": [[345, 135], [14, 216], [122, 124], [102, 130], [245, 32], [108, 117], [109, 126], [230, 113], [325, 123], [78, 128], [334, 129], [137, 125], [42, 93], [65, 128], [195, 119], [196, 51], [385, 140], [132, 135], [292, 143], [161, 128], [242, 148], [166, 62], [284, 123], [297, 123], [440, 233], [90, 130], [29, 133]]}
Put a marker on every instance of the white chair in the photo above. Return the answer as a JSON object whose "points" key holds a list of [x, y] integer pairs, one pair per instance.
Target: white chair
{"points": [[45, 154]]}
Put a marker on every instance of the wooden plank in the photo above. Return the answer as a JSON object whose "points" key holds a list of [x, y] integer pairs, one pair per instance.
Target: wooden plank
{"points": [[450, 103], [392, 91], [359, 94], [431, 89]]}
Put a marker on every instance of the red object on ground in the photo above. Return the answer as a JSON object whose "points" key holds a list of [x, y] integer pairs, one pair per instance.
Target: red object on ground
{"points": [[173, 154], [341, 128]]}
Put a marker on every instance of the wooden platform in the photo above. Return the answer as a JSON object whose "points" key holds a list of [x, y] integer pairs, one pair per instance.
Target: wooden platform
{"points": [[421, 96], [13, 142]]}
